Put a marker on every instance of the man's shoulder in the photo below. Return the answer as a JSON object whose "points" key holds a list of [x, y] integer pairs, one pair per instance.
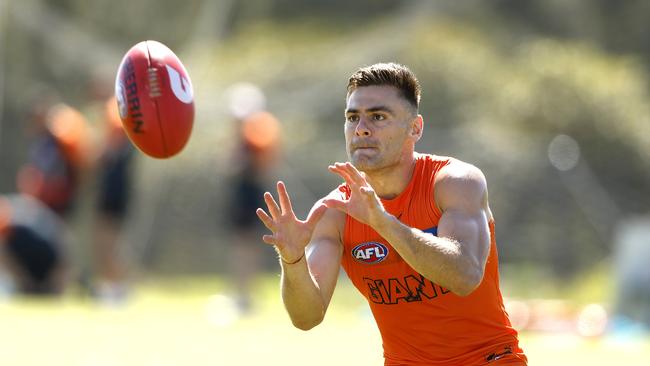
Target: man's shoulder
{"points": [[459, 180], [431, 158], [458, 169], [450, 168]]}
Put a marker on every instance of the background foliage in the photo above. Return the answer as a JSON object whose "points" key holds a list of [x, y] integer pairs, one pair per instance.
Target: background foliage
{"points": [[501, 81]]}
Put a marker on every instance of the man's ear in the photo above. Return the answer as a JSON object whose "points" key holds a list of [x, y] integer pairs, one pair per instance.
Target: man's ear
{"points": [[417, 125]]}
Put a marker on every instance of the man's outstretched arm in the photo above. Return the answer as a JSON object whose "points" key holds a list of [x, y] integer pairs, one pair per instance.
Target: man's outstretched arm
{"points": [[308, 279]]}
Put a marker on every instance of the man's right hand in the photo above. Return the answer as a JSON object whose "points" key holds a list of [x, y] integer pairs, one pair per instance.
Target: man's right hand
{"points": [[290, 235]]}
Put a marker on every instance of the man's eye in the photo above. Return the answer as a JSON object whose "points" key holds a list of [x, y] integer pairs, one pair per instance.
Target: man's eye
{"points": [[353, 118], [378, 117]]}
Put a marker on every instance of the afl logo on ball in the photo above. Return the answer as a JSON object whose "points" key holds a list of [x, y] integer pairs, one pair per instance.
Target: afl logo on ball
{"points": [[181, 86], [370, 252]]}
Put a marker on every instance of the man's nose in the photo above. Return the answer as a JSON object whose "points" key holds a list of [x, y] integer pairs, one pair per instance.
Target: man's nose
{"points": [[362, 128]]}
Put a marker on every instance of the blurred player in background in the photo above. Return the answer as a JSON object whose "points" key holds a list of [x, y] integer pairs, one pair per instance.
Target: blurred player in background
{"points": [[413, 231], [57, 156], [32, 246], [114, 187], [255, 157]]}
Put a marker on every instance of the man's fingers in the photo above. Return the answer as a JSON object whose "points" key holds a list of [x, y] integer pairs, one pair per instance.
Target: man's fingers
{"points": [[266, 220], [338, 169], [274, 210], [269, 239], [354, 174], [285, 202], [336, 204], [351, 175], [367, 191]]}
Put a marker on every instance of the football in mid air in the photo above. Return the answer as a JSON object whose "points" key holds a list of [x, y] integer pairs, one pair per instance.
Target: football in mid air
{"points": [[155, 99]]}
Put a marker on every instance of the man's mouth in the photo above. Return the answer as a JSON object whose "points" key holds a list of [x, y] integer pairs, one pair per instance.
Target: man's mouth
{"points": [[364, 148]]}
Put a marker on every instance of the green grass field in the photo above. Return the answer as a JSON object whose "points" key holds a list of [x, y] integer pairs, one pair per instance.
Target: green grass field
{"points": [[182, 322]]}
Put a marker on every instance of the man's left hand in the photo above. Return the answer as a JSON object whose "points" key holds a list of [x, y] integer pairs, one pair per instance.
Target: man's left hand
{"points": [[364, 204]]}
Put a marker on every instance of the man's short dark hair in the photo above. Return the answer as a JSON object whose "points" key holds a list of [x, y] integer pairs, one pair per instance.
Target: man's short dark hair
{"points": [[390, 74]]}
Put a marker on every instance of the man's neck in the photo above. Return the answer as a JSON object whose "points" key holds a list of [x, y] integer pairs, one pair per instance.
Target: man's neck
{"points": [[389, 182]]}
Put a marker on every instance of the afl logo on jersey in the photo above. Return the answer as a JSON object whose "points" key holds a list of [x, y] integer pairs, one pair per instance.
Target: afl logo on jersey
{"points": [[370, 252]]}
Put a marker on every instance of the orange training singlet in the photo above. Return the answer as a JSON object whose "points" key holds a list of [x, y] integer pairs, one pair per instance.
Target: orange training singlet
{"points": [[422, 323]]}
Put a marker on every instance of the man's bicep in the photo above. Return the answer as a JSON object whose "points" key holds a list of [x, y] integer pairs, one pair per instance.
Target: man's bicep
{"points": [[465, 214], [471, 231]]}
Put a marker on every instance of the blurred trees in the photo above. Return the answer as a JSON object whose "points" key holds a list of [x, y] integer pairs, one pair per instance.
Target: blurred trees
{"points": [[501, 81]]}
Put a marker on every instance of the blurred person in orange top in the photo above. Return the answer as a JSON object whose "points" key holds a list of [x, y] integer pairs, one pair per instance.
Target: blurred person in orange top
{"points": [[256, 154], [33, 244], [414, 233], [58, 153], [114, 187]]}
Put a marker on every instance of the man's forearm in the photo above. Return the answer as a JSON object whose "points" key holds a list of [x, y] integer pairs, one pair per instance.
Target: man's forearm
{"points": [[437, 259], [301, 295]]}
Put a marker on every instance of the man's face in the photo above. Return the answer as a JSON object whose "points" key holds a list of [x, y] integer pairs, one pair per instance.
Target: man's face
{"points": [[378, 128]]}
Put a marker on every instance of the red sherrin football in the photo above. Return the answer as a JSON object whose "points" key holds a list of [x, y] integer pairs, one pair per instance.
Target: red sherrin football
{"points": [[155, 99]]}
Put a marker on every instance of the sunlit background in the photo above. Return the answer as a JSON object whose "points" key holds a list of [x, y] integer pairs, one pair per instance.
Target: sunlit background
{"points": [[551, 99]]}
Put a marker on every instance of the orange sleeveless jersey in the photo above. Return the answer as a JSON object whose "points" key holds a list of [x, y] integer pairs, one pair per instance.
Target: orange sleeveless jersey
{"points": [[422, 323]]}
